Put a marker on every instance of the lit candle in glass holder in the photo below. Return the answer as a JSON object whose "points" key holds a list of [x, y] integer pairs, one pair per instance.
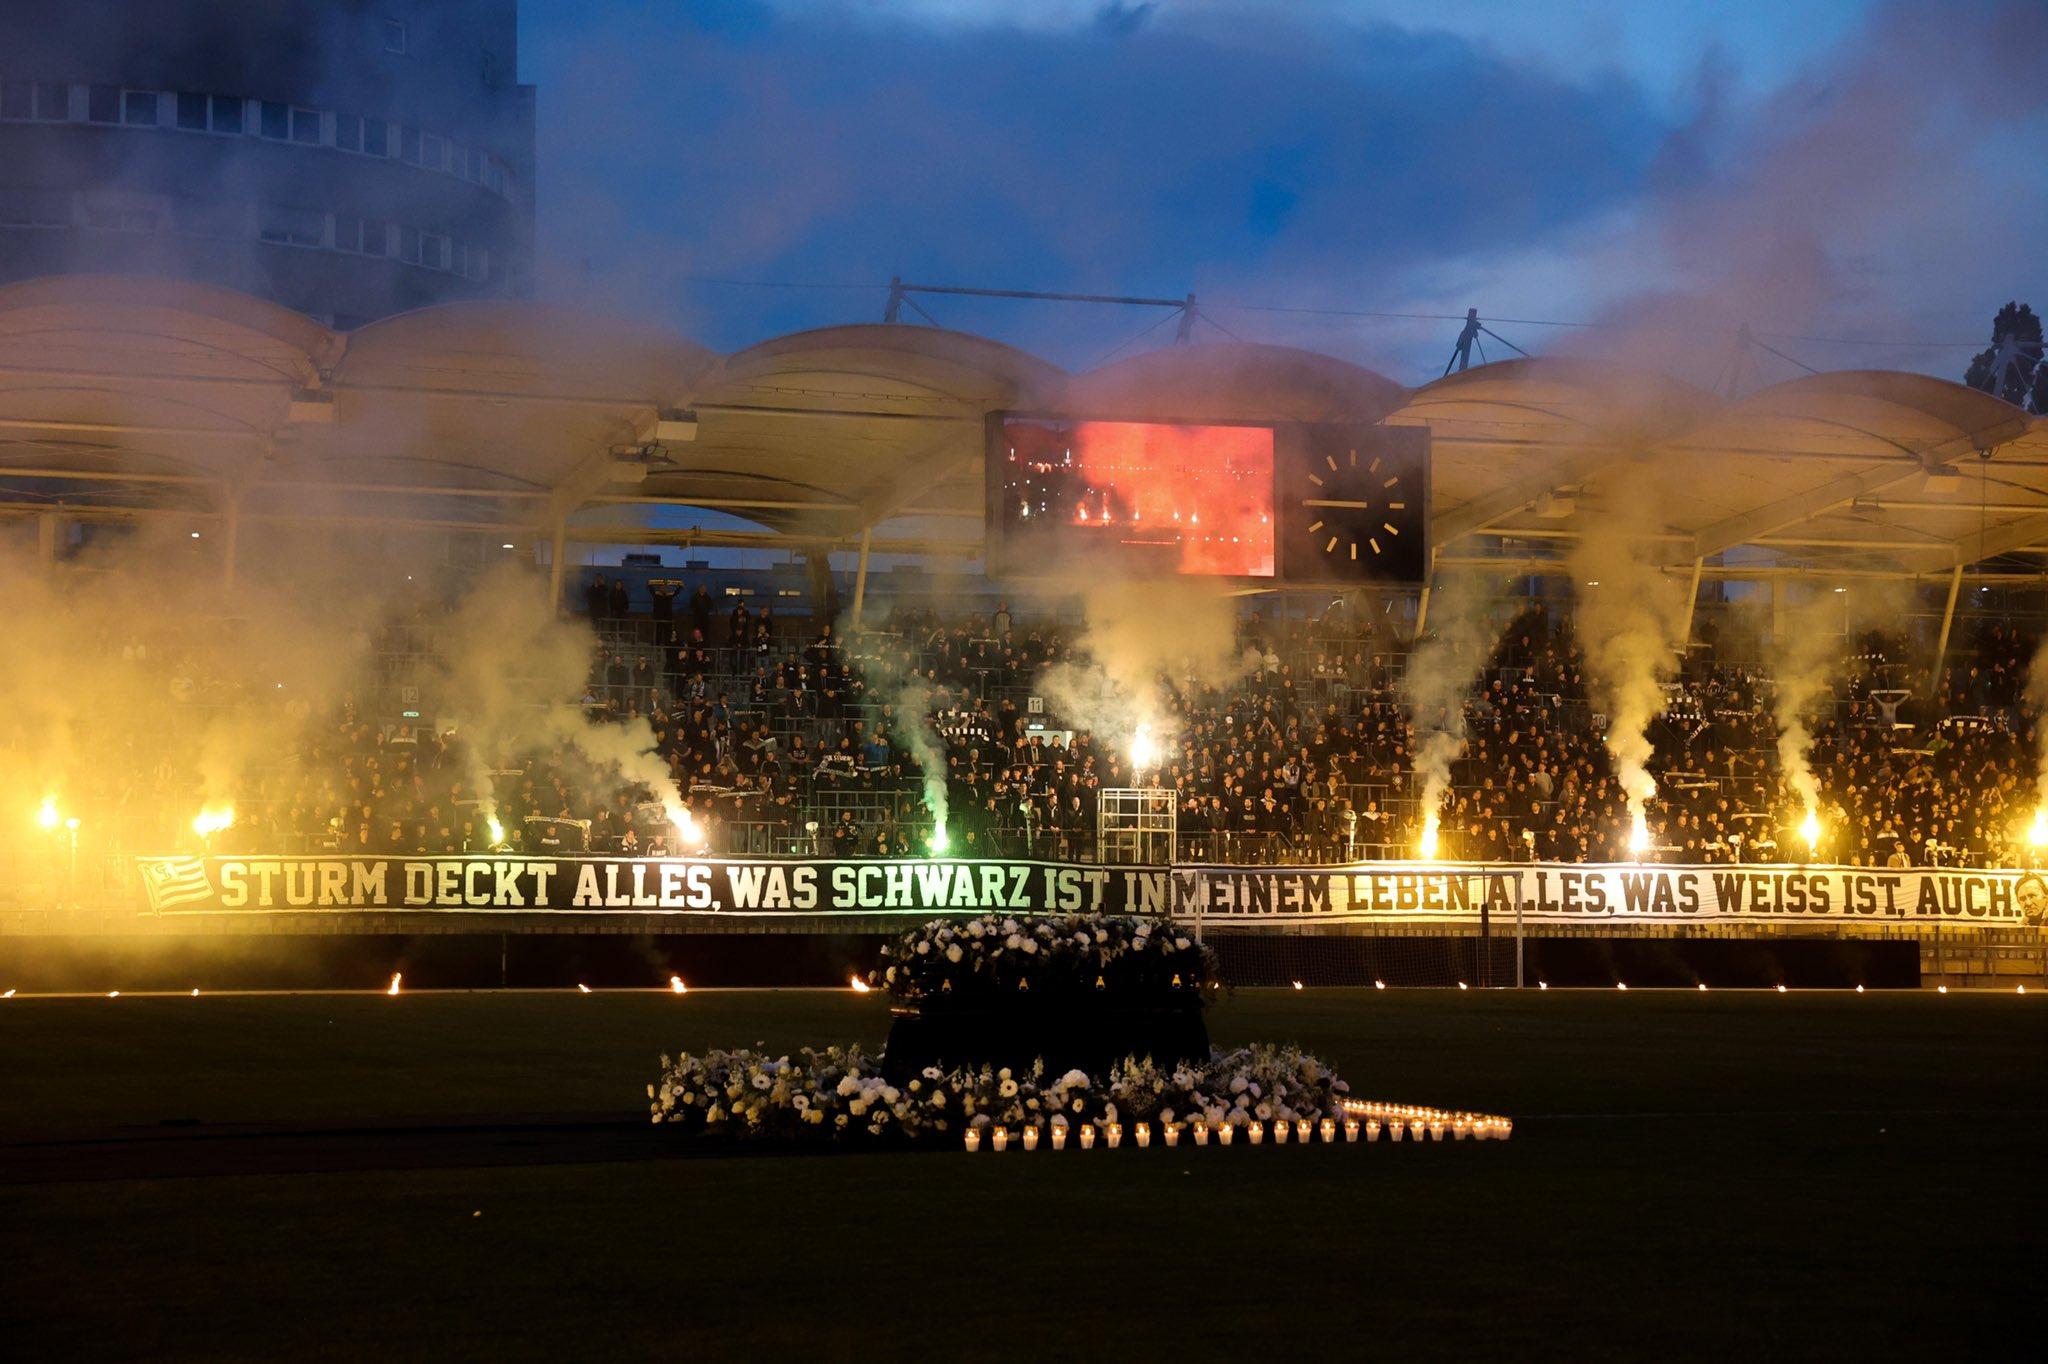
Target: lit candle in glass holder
{"points": [[1087, 1136], [999, 1141], [1436, 1129], [1415, 1128], [1397, 1129], [1301, 1130], [1506, 1128], [973, 1139], [1461, 1128], [1116, 1135], [1372, 1129], [1059, 1136], [1201, 1130], [1256, 1131], [1143, 1132], [1224, 1132], [1170, 1131], [1031, 1137], [1280, 1131], [1329, 1130]]}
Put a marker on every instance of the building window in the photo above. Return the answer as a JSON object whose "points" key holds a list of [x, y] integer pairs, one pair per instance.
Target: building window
{"points": [[276, 121], [479, 263], [53, 101], [376, 137], [409, 244], [139, 108], [192, 112], [288, 226], [306, 126], [226, 111], [433, 251], [433, 151], [394, 36], [348, 132], [103, 103]]}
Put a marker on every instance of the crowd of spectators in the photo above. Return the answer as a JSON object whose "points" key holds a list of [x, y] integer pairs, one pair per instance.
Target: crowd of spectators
{"points": [[786, 739]]}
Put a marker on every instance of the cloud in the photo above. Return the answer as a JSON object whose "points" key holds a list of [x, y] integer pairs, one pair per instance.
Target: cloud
{"points": [[1853, 169], [1253, 151]]}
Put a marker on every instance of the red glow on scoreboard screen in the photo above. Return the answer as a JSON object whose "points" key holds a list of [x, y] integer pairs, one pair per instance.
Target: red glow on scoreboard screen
{"points": [[1154, 496]]}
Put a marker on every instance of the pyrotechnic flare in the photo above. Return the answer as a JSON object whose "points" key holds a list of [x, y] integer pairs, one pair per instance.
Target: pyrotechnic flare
{"points": [[494, 829], [1624, 622], [688, 832], [392, 988], [2037, 701], [212, 819], [47, 816], [1441, 673], [1144, 752], [1810, 830], [675, 984], [941, 841], [860, 987]]}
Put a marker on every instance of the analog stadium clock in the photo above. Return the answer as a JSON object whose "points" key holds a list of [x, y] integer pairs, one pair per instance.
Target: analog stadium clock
{"points": [[1354, 504]]}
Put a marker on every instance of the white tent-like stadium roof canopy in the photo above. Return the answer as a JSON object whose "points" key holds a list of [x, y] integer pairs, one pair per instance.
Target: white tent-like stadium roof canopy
{"points": [[139, 397]]}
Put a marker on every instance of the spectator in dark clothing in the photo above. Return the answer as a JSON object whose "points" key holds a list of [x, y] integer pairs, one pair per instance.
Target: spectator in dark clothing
{"points": [[596, 598]]}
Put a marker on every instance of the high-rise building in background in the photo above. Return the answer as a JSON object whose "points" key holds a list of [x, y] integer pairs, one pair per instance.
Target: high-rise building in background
{"points": [[347, 158]]}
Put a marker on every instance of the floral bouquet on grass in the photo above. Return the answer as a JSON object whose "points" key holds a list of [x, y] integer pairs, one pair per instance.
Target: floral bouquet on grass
{"points": [[1064, 955], [840, 1094]]}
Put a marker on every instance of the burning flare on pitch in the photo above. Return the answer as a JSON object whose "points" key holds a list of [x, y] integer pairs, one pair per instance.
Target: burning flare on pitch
{"points": [[212, 819], [860, 987], [675, 984], [392, 988]]}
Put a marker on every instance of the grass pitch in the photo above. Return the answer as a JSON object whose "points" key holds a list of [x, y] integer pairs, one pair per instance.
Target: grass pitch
{"points": [[1811, 1174]]}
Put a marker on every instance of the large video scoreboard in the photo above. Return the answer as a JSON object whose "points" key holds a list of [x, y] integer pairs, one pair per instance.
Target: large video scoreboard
{"points": [[1279, 503]]}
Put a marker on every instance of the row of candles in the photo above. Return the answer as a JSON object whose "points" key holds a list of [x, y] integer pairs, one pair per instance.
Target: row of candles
{"points": [[1369, 1120]]}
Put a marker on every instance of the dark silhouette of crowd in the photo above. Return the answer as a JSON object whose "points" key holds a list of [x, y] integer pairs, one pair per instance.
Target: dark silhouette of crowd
{"points": [[789, 740]]}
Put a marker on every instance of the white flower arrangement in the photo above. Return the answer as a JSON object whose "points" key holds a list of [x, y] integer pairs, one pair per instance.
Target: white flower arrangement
{"points": [[1055, 954], [841, 1093]]}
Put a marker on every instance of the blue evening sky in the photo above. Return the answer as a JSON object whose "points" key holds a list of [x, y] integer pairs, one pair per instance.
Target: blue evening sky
{"points": [[1817, 168]]}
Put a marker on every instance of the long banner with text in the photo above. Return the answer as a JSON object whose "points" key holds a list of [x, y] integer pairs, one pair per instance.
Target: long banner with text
{"points": [[1405, 893]]}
